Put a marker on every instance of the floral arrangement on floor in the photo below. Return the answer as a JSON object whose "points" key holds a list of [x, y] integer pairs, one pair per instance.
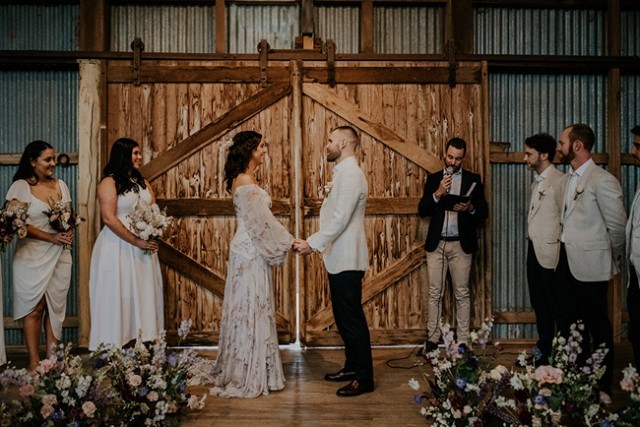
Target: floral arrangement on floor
{"points": [[13, 221], [144, 385], [62, 217], [630, 416], [149, 222], [468, 388]]}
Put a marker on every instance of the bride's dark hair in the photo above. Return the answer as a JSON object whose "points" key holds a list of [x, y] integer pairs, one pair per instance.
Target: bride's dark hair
{"points": [[121, 169], [240, 155]]}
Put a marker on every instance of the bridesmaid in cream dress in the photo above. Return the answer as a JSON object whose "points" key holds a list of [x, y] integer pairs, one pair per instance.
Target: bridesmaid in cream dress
{"points": [[248, 362], [125, 282], [41, 264]]}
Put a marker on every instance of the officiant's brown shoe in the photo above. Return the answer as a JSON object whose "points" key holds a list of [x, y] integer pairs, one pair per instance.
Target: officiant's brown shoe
{"points": [[355, 388], [341, 375]]}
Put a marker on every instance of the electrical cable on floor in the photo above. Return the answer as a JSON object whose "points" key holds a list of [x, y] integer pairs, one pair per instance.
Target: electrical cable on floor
{"points": [[414, 353]]}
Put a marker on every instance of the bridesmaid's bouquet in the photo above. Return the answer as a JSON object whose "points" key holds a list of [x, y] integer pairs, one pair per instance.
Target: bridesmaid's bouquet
{"points": [[149, 222], [62, 217], [13, 220]]}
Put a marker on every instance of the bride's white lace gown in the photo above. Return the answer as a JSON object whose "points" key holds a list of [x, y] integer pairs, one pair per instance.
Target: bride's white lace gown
{"points": [[248, 362]]}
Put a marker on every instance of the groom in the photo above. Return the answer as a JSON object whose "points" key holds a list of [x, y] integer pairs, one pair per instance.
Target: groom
{"points": [[343, 243]]}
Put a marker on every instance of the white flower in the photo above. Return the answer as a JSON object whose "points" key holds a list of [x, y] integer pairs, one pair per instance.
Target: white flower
{"points": [[414, 384], [516, 383]]}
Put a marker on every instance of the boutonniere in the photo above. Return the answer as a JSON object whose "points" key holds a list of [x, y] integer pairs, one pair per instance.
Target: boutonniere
{"points": [[327, 189], [541, 194], [579, 192]]}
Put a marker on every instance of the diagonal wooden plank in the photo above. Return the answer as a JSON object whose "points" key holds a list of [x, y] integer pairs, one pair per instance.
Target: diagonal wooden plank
{"points": [[352, 113], [186, 266], [202, 276], [217, 128], [374, 285]]}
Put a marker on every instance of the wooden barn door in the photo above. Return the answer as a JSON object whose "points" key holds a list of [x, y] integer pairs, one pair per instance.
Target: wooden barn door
{"points": [[184, 118], [404, 112], [184, 114]]}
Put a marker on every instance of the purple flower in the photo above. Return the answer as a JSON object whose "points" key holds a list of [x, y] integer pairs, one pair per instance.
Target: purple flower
{"points": [[539, 400], [143, 391], [460, 383], [172, 359]]}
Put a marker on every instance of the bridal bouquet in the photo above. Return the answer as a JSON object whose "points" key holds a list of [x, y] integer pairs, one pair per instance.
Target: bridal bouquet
{"points": [[62, 217], [13, 220], [149, 222]]}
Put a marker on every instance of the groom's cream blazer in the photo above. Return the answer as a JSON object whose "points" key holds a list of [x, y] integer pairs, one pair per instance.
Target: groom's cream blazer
{"points": [[341, 237]]}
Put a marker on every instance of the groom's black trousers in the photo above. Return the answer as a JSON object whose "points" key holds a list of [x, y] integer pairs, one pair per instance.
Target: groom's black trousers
{"points": [[346, 297]]}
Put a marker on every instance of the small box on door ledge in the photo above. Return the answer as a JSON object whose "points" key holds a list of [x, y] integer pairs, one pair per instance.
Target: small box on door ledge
{"points": [[308, 43]]}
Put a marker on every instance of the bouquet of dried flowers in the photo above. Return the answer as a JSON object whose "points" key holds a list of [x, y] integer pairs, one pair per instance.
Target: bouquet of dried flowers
{"points": [[62, 217], [149, 222], [13, 221]]}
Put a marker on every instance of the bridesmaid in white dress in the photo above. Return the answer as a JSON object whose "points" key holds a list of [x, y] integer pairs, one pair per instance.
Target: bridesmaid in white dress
{"points": [[125, 282], [3, 353], [41, 265], [248, 362]]}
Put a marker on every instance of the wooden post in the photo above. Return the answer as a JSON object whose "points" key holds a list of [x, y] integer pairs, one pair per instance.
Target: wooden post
{"points": [[458, 24], [221, 27], [89, 153], [94, 25], [614, 148], [296, 177], [366, 27]]}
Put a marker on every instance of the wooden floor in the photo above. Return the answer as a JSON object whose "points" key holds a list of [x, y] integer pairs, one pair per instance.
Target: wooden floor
{"points": [[308, 400]]}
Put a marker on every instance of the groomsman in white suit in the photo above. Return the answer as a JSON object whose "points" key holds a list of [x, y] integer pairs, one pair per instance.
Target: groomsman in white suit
{"points": [[343, 244], [633, 260], [593, 242], [543, 232]]}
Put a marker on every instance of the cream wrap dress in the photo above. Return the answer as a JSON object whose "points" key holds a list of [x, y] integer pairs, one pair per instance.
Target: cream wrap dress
{"points": [[40, 268]]}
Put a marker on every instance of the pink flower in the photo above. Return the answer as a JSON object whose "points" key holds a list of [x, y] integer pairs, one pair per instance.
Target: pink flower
{"points": [[89, 408], [152, 396], [134, 380], [46, 411], [26, 390], [548, 375], [45, 366], [627, 384], [49, 399]]}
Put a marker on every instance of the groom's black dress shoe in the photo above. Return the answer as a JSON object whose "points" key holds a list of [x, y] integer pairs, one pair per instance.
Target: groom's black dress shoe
{"points": [[355, 388], [341, 375]]}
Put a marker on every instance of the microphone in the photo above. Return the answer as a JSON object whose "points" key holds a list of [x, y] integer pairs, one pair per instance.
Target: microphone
{"points": [[448, 171]]}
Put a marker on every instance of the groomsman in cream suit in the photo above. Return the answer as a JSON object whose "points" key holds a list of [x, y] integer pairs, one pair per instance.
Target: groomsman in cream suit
{"points": [[593, 241], [343, 244], [543, 231], [633, 260]]}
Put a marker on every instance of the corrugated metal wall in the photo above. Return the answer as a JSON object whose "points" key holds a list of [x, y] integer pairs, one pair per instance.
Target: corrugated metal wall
{"points": [[248, 24], [408, 29], [38, 105], [339, 23], [539, 31], [630, 31], [523, 105], [39, 27], [180, 29]]}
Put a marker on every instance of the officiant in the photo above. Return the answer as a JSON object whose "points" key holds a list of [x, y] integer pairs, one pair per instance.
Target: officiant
{"points": [[454, 200]]}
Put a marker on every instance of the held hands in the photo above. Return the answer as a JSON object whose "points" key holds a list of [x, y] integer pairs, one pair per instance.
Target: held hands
{"points": [[301, 247], [445, 186]]}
